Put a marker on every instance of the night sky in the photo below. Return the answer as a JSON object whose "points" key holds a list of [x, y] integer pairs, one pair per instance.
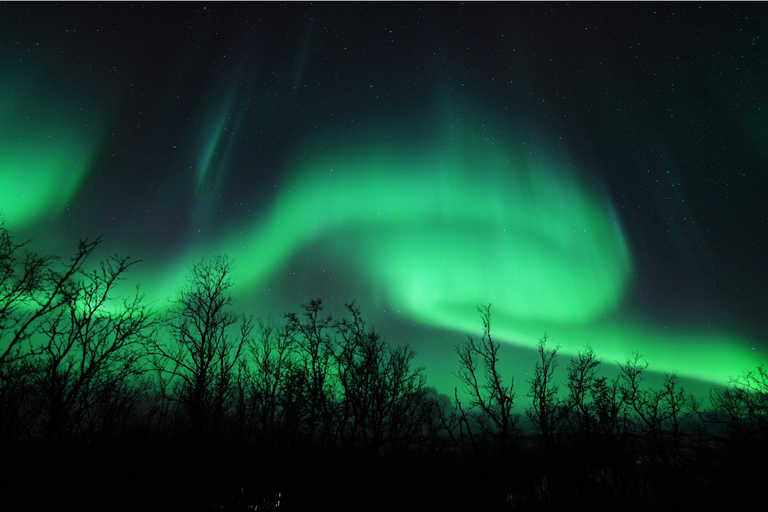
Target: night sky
{"points": [[596, 172]]}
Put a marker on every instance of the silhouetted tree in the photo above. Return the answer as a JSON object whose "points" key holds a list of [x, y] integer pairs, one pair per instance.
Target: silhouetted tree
{"points": [[656, 410], [202, 352], [594, 404], [310, 388], [32, 286], [547, 411], [261, 381], [745, 403], [382, 396], [582, 381], [90, 360], [325, 414], [18, 410], [738, 452], [491, 400], [657, 417]]}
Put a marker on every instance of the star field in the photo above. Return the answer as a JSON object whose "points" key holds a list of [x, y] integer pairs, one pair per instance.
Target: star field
{"points": [[595, 171]]}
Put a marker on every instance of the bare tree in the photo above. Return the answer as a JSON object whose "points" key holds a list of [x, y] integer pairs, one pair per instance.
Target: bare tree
{"points": [[382, 396], [755, 383], [18, 411], [491, 400], [593, 403], [658, 413], [547, 412], [261, 381], [202, 352], [32, 286], [311, 389], [744, 403], [63, 340], [90, 362]]}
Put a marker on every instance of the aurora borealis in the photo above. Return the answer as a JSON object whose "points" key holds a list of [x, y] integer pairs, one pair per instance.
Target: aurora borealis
{"points": [[595, 172]]}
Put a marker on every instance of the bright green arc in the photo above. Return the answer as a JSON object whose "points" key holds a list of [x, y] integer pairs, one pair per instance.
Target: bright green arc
{"points": [[436, 233], [433, 231], [47, 144]]}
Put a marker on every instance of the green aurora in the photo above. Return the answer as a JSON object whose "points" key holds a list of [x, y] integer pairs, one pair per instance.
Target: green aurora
{"points": [[425, 225], [47, 148], [435, 234]]}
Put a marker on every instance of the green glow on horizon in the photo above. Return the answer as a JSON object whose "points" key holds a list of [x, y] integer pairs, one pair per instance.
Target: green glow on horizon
{"points": [[47, 144], [707, 354]]}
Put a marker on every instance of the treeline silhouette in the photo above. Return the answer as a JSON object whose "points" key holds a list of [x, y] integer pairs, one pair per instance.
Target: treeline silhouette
{"points": [[107, 405]]}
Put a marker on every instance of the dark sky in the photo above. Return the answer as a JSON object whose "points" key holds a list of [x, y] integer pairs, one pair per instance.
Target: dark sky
{"points": [[597, 172]]}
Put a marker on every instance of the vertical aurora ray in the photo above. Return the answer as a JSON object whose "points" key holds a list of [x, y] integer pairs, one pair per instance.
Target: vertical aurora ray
{"points": [[210, 145], [221, 122], [223, 137]]}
